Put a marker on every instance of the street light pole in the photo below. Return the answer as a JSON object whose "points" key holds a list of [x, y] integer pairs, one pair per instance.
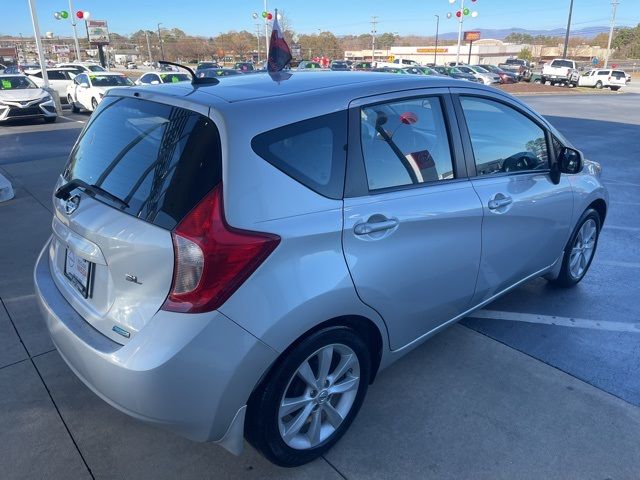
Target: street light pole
{"points": [[435, 52], [460, 30], [266, 31], [75, 31], [566, 36], [614, 6], [146, 34], [160, 40], [36, 33]]}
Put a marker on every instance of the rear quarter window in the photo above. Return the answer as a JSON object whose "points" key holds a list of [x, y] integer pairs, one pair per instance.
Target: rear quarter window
{"points": [[160, 159], [312, 152]]}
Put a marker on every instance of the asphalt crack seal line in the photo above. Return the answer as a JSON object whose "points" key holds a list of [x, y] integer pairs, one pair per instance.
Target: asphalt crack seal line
{"points": [[558, 321]]}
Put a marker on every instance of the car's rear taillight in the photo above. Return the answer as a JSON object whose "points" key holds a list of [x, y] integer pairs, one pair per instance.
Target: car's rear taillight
{"points": [[212, 259]]}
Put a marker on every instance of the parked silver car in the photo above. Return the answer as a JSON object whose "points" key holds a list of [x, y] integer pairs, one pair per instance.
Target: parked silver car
{"points": [[225, 263]]}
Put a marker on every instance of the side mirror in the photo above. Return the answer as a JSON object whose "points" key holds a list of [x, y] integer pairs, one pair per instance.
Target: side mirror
{"points": [[570, 160]]}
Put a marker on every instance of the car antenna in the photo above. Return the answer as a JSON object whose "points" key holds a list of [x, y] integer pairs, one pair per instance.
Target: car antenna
{"points": [[194, 79]]}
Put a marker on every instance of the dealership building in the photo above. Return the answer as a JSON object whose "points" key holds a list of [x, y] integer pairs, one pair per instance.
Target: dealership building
{"points": [[486, 51]]}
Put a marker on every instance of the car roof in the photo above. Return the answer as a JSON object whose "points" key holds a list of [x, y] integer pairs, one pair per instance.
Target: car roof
{"points": [[95, 74], [165, 72], [343, 86]]}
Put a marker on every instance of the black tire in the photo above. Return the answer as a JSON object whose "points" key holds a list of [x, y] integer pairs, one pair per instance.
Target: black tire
{"points": [[615, 89], [565, 278], [599, 85], [74, 108], [261, 425], [94, 104], [50, 119]]}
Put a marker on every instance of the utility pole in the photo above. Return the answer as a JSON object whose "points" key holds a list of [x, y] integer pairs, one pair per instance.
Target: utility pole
{"points": [[435, 52], [146, 34], [72, 12], [160, 40], [266, 31], [36, 34], [374, 22], [566, 36], [614, 6], [258, 38], [460, 30]]}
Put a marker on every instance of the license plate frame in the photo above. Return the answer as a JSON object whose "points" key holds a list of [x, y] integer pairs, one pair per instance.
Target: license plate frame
{"points": [[79, 272]]}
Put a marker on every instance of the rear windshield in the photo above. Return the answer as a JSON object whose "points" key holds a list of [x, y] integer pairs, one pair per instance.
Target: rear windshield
{"points": [[562, 63], [618, 73], [110, 81], [161, 160]]}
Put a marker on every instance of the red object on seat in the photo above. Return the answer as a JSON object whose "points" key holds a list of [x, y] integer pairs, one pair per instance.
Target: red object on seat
{"points": [[408, 118]]}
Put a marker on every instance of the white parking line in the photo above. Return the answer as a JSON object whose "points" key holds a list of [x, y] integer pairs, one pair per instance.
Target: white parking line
{"points": [[613, 263], [558, 321], [619, 227], [72, 120]]}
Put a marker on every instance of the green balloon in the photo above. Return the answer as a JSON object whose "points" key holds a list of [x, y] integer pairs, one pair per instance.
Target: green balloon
{"points": [[466, 11], [64, 14], [264, 14]]}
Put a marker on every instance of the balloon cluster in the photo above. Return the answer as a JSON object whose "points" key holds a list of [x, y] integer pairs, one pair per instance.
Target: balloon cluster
{"points": [[464, 12], [81, 14], [267, 15]]}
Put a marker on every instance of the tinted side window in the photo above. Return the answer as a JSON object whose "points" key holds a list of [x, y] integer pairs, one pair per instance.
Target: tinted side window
{"points": [[603, 73], [56, 75], [405, 143], [160, 159], [503, 139], [313, 152]]}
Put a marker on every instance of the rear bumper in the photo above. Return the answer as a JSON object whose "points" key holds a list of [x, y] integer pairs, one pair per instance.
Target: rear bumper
{"points": [[191, 374]]}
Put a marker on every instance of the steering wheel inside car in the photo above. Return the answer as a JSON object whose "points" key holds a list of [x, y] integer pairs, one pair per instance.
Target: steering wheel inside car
{"points": [[519, 162]]}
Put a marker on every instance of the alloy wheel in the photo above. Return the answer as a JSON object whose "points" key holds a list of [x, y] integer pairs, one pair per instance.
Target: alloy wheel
{"points": [[319, 396], [583, 248]]}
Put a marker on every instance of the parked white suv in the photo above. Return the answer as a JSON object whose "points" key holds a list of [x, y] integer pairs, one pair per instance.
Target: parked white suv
{"points": [[602, 77]]}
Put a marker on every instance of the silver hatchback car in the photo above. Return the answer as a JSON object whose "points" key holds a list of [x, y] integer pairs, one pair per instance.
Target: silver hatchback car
{"points": [[239, 260]]}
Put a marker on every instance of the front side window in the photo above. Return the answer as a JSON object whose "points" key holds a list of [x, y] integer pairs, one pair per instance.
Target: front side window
{"points": [[55, 75], [405, 143], [81, 79], [503, 139], [110, 81], [313, 152]]}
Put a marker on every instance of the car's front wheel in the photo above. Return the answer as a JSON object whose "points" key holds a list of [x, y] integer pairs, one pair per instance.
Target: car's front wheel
{"points": [[310, 397], [580, 250], [70, 101]]}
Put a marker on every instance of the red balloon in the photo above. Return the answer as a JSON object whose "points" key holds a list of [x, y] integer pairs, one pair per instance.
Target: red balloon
{"points": [[269, 17], [458, 14], [80, 14]]}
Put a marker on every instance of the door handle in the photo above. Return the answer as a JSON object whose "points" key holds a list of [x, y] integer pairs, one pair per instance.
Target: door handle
{"points": [[371, 227], [499, 202]]}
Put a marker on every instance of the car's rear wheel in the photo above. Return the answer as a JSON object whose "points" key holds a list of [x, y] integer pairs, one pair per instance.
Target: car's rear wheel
{"points": [[615, 89], [598, 84], [310, 397], [70, 101], [580, 250]]}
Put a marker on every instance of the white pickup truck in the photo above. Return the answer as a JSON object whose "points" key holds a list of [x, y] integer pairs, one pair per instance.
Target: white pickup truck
{"points": [[398, 63], [560, 70]]}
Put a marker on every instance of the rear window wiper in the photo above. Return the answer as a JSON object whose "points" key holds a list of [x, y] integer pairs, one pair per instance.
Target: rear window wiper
{"points": [[64, 192]]}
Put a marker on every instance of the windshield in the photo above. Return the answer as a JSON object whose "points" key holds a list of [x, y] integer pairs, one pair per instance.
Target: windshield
{"points": [[110, 81], [16, 83], [174, 77], [96, 68], [455, 70]]}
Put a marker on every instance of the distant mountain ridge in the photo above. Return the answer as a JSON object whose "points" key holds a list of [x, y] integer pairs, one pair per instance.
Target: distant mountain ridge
{"points": [[500, 34]]}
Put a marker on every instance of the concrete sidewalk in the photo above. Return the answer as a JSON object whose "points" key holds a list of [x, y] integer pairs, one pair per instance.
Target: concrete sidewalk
{"points": [[460, 406]]}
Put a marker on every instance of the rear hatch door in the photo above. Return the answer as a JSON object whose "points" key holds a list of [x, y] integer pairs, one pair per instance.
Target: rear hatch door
{"points": [[146, 164]]}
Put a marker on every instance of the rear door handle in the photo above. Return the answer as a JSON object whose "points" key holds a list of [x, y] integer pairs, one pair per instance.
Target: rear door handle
{"points": [[499, 202], [371, 227]]}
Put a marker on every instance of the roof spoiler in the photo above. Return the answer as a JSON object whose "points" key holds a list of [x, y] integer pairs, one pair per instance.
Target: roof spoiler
{"points": [[194, 79]]}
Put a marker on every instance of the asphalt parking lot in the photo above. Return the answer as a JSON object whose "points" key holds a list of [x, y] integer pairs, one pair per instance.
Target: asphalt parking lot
{"points": [[542, 383]]}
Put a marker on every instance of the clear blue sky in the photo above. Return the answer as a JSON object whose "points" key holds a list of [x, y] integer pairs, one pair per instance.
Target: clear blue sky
{"points": [[210, 17]]}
